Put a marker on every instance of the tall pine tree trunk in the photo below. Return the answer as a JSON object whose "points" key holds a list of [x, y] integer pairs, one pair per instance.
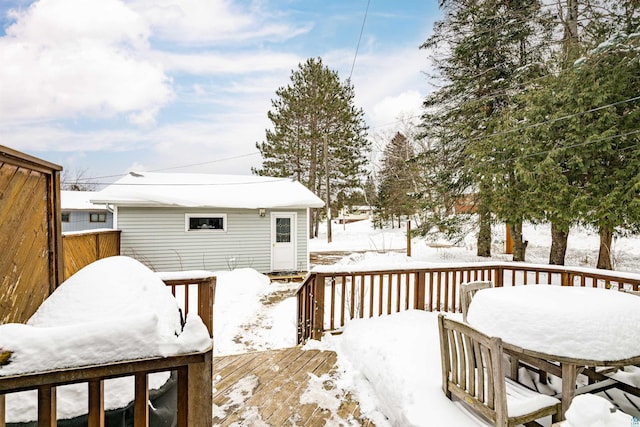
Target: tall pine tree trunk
{"points": [[559, 236], [519, 245], [604, 255], [325, 153], [484, 233]]}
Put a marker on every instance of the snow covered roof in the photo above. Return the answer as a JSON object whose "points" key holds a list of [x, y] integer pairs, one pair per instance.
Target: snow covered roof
{"points": [[79, 201], [207, 190]]}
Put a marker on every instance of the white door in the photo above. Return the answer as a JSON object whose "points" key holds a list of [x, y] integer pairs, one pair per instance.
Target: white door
{"points": [[283, 241]]}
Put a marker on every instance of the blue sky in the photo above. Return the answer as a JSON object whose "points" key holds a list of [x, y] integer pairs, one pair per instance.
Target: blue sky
{"points": [[109, 86]]}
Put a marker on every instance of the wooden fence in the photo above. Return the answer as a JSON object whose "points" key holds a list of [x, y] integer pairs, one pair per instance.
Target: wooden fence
{"points": [[81, 249], [30, 243], [329, 299]]}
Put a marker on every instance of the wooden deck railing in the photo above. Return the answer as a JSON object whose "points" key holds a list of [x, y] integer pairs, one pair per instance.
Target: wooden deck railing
{"points": [[183, 290], [194, 385], [328, 299], [194, 373]]}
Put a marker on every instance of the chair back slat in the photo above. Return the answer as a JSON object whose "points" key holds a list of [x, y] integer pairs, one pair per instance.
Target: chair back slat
{"points": [[467, 291]]}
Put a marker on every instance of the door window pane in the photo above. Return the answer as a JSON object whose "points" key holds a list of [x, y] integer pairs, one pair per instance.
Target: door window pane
{"points": [[283, 230]]}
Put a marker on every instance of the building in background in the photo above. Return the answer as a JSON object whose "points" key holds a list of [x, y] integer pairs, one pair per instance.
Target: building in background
{"points": [[79, 214]]}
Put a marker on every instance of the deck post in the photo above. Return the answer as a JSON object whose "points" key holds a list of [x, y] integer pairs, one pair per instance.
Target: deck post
{"points": [[499, 276], [199, 392], [420, 291], [317, 326], [206, 298]]}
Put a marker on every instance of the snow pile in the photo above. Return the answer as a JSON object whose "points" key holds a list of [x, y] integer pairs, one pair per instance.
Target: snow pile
{"points": [[589, 410], [114, 309], [398, 355], [584, 323]]}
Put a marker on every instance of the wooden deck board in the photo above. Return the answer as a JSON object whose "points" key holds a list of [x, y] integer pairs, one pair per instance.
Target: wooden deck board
{"points": [[265, 388]]}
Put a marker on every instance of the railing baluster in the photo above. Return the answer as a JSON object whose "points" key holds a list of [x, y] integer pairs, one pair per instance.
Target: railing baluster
{"points": [[2, 410], [47, 406], [342, 300], [398, 291], [446, 290], [380, 293], [95, 417], [361, 296], [141, 400]]}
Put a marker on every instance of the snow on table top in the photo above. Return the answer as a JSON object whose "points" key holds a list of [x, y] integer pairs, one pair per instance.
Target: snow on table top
{"points": [[575, 322]]}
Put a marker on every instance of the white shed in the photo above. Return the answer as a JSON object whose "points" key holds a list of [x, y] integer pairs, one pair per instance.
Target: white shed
{"points": [[175, 221]]}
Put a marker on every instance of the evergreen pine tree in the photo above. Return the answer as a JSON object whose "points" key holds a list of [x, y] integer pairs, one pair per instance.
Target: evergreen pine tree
{"points": [[397, 181], [318, 137]]}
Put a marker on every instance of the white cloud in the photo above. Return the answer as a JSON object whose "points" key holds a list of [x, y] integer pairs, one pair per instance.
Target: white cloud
{"points": [[395, 108], [200, 22], [210, 63], [69, 58]]}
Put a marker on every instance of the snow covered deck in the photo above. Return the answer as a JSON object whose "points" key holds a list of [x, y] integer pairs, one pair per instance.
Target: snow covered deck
{"points": [[279, 387]]}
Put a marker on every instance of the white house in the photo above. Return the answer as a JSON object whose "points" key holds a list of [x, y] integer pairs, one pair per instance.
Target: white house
{"points": [[78, 213], [175, 221]]}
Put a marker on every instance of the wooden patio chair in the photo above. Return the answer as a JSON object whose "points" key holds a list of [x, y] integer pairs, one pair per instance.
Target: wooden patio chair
{"points": [[473, 371], [467, 291]]}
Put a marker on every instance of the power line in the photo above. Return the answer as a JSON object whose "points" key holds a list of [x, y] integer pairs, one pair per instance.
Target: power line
{"points": [[557, 119], [191, 184], [579, 144], [353, 64], [173, 167]]}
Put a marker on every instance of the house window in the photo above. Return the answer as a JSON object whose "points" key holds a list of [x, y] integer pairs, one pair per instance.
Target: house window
{"points": [[98, 217], [203, 222], [65, 216]]}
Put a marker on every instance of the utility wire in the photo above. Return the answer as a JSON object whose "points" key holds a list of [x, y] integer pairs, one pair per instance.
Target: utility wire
{"points": [[557, 119], [353, 64], [173, 167], [579, 144]]}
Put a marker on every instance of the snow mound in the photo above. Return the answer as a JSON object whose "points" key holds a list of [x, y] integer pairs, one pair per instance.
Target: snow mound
{"points": [[589, 410], [113, 309]]}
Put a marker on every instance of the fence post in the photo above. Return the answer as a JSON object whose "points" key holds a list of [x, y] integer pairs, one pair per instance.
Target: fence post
{"points": [[317, 321]]}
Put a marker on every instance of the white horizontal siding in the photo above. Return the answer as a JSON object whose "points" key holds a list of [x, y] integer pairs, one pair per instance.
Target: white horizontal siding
{"points": [[157, 237]]}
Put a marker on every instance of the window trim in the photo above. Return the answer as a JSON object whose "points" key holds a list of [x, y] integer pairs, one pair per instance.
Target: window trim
{"points": [[99, 214], [188, 216]]}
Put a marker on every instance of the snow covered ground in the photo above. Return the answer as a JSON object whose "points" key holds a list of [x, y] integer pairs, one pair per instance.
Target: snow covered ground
{"points": [[392, 364]]}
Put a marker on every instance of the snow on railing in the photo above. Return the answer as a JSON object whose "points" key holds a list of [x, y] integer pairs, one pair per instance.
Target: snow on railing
{"points": [[330, 296]]}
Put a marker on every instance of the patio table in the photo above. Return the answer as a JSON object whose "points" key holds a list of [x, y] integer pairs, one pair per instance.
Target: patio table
{"points": [[575, 327]]}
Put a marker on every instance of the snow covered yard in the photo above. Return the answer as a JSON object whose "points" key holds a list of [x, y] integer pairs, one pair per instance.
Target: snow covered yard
{"points": [[390, 364]]}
